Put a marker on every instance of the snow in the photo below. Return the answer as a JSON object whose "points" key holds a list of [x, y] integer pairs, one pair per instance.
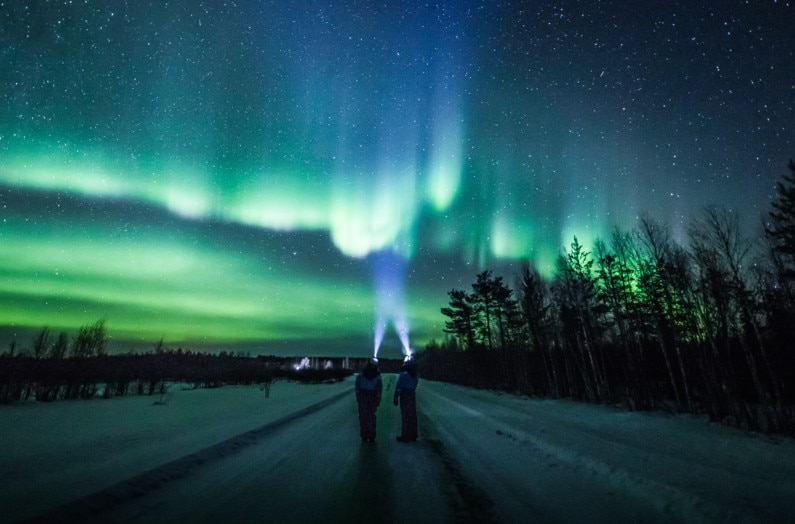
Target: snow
{"points": [[52, 453], [231, 454], [567, 461]]}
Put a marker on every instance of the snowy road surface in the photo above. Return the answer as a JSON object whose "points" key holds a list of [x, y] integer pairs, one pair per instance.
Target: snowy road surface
{"points": [[231, 455]]}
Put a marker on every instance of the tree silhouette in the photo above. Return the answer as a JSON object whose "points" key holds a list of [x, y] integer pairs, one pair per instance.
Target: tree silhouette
{"points": [[461, 314], [703, 326], [90, 340], [485, 302], [489, 312], [41, 343], [719, 240], [60, 347], [576, 288], [534, 301], [663, 280], [780, 232], [782, 222]]}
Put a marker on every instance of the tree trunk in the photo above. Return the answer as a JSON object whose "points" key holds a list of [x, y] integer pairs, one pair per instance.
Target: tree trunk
{"points": [[668, 366]]}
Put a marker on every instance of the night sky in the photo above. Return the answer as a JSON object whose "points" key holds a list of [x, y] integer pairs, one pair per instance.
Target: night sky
{"points": [[273, 177]]}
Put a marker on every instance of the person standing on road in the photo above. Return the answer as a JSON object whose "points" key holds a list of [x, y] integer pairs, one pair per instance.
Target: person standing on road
{"points": [[368, 395], [405, 396]]}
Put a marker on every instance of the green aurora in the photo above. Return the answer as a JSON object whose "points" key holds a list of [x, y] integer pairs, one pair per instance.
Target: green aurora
{"points": [[220, 176]]}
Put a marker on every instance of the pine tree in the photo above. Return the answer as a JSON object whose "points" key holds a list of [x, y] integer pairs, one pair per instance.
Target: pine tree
{"points": [[485, 301], [576, 286], [461, 313], [781, 230]]}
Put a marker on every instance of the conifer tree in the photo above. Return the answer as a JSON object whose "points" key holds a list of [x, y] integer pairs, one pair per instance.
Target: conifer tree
{"points": [[461, 315], [781, 231]]}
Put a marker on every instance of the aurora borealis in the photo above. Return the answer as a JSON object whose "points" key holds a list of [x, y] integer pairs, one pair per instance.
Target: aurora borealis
{"points": [[222, 174]]}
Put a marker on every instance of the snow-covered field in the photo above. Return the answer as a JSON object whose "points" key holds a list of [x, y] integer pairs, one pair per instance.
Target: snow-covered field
{"points": [[54, 453], [233, 455]]}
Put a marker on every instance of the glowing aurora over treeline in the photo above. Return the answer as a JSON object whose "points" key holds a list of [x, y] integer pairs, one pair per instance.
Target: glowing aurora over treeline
{"points": [[226, 174]]}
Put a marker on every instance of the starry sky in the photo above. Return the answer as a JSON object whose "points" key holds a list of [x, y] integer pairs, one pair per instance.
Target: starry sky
{"points": [[277, 177]]}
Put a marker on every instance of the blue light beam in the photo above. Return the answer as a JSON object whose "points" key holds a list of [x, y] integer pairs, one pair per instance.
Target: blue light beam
{"points": [[389, 272]]}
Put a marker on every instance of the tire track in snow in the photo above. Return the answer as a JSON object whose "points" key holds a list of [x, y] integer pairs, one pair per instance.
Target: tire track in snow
{"points": [[468, 501], [668, 500], [152, 480]]}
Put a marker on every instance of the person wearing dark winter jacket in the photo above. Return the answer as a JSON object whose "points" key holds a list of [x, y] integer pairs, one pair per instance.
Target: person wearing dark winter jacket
{"points": [[405, 396], [368, 395]]}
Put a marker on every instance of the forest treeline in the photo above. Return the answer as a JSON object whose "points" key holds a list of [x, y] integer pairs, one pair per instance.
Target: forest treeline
{"points": [[78, 367], [701, 325], [26, 378]]}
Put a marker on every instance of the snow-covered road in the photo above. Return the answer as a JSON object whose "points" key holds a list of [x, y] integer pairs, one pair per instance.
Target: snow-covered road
{"points": [[230, 455], [560, 461]]}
